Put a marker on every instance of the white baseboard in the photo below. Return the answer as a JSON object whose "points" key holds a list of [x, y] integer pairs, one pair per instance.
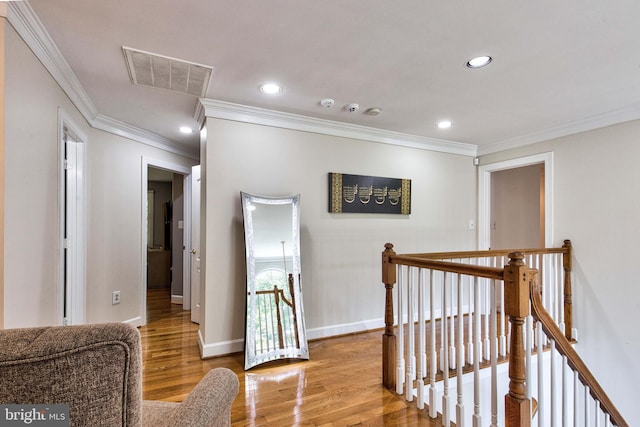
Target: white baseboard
{"points": [[176, 299], [136, 321], [346, 328], [219, 348]]}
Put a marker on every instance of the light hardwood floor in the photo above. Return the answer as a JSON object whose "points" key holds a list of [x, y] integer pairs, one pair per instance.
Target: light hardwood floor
{"points": [[340, 384]]}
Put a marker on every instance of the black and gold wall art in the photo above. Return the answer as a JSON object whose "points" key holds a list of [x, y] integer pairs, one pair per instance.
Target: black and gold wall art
{"points": [[368, 194]]}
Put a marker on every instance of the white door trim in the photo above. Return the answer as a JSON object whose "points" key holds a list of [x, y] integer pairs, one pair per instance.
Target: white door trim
{"points": [[72, 268], [195, 251], [172, 167], [484, 194], [186, 254]]}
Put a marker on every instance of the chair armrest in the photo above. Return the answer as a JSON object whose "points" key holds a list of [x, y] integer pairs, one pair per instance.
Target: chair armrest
{"points": [[209, 403]]}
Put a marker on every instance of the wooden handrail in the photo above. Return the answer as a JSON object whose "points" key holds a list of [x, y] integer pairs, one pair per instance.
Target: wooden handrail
{"points": [[564, 347], [433, 261], [448, 266], [490, 253]]}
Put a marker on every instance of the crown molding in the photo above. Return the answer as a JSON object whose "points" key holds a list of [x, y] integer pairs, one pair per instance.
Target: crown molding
{"points": [[261, 116], [27, 24], [125, 130], [626, 114], [29, 27]]}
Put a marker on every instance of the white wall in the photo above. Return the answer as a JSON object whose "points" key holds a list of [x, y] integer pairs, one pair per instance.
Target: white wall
{"points": [[597, 205], [32, 238], [114, 253], [340, 253], [31, 187]]}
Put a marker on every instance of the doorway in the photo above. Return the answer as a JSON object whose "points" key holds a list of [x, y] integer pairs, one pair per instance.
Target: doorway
{"points": [[72, 185], [511, 193], [165, 232], [517, 207]]}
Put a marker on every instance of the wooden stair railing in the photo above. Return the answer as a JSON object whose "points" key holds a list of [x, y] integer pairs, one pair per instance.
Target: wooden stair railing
{"points": [[522, 302], [565, 348]]}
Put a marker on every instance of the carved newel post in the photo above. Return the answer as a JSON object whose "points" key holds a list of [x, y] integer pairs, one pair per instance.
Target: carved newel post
{"points": [[389, 338], [516, 283]]}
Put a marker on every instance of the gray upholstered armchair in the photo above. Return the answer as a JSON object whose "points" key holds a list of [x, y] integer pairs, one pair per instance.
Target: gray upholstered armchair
{"points": [[97, 371]]}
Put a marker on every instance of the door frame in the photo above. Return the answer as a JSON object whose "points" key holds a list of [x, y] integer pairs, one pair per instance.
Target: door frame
{"points": [[484, 195], [73, 271], [196, 250], [171, 167]]}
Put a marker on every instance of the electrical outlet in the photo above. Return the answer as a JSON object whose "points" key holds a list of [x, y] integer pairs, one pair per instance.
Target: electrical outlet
{"points": [[115, 297], [472, 224]]}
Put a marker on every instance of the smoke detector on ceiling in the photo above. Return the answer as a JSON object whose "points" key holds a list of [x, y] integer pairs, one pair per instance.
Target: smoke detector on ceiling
{"points": [[150, 69], [352, 108], [327, 102]]}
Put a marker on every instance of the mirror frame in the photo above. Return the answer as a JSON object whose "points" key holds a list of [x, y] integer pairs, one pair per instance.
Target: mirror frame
{"points": [[252, 357]]}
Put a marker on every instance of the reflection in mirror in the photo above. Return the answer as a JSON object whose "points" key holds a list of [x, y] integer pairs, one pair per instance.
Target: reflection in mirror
{"points": [[275, 320]]}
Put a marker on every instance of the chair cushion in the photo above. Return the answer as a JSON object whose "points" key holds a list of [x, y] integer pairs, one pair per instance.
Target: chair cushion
{"points": [[95, 369]]}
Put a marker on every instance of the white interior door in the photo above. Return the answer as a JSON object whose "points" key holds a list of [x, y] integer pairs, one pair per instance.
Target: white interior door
{"points": [[195, 244], [73, 227]]}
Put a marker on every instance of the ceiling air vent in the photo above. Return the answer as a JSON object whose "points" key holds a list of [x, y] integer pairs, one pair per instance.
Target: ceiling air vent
{"points": [[150, 69]]}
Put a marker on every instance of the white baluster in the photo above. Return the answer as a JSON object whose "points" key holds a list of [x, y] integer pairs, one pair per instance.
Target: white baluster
{"points": [[527, 354], [494, 357], [422, 346], [460, 353], [472, 308], [501, 329], [597, 413], [486, 309], [575, 399], [560, 281], [565, 394], [553, 384], [446, 416], [400, 345], [587, 402], [477, 321], [411, 358], [433, 351], [541, 390], [451, 323]]}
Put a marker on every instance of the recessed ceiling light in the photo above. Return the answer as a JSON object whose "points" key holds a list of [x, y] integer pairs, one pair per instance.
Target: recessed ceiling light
{"points": [[186, 129], [271, 88], [444, 124], [478, 62]]}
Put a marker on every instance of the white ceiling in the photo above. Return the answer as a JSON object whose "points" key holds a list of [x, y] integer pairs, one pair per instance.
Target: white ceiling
{"points": [[559, 67]]}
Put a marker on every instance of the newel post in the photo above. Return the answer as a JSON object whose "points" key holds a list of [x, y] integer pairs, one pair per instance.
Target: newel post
{"points": [[516, 283], [567, 263], [389, 338]]}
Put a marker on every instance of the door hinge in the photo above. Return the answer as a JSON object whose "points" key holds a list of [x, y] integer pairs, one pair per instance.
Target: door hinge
{"points": [[67, 164], [66, 322], [66, 243]]}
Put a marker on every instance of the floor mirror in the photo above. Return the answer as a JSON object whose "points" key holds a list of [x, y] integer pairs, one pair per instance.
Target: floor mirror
{"points": [[275, 320]]}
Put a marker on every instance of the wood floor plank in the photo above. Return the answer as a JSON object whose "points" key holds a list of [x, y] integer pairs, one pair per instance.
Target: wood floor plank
{"points": [[339, 386]]}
